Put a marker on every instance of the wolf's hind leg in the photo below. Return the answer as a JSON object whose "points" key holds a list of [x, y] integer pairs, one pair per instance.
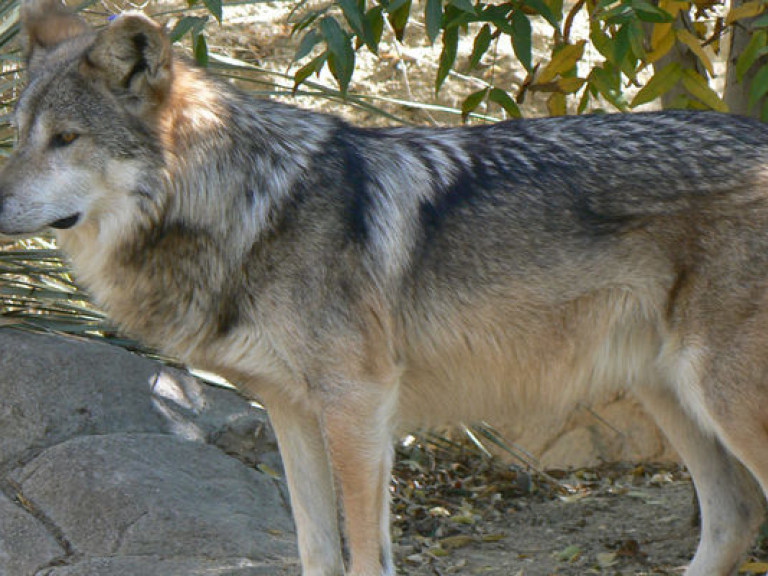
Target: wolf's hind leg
{"points": [[310, 482], [730, 500], [358, 428]]}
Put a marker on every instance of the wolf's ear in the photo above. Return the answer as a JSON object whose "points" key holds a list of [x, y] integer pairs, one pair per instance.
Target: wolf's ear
{"points": [[44, 25], [133, 57]]}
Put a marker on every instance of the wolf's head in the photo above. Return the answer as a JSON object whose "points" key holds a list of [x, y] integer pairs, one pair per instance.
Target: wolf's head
{"points": [[87, 120]]}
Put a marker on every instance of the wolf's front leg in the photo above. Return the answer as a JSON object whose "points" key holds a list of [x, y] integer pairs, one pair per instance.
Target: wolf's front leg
{"points": [[310, 483], [358, 423]]}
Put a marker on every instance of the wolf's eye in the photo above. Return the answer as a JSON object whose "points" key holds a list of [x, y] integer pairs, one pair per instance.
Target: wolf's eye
{"points": [[64, 139]]}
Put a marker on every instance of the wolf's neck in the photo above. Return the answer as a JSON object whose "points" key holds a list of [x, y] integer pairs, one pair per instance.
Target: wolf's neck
{"points": [[230, 163], [229, 158]]}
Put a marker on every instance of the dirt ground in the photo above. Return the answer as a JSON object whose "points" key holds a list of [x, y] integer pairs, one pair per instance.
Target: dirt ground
{"points": [[615, 521], [647, 530]]}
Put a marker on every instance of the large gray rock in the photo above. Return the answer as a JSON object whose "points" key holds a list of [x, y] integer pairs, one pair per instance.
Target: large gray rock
{"points": [[111, 464], [56, 388], [141, 494], [25, 543]]}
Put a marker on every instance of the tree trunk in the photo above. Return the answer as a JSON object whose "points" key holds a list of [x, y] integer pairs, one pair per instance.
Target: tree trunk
{"points": [[736, 94], [683, 56]]}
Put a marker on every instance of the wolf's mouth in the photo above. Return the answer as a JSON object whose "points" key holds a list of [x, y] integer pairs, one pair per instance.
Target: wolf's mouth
{"points": [[65, 223]]}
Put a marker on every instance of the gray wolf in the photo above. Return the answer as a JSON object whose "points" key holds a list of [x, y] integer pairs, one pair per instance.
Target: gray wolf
{"points": [[365, 281]]}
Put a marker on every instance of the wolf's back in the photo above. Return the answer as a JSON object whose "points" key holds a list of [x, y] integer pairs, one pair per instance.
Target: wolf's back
{"points": [[509, 198], [613, 166]]}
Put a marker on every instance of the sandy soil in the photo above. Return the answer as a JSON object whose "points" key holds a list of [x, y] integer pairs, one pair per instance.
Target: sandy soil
{"points": [[616, 521]]}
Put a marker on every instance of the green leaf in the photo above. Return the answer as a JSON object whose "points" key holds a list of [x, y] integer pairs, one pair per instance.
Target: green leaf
{"points": [[569, 554], [647, 12], [543, 10], [215, 7], [570, 84], [620, 14], [556, 105], [521, 38], [603, 4], [556, 6], [456, 18], [758, 87], [433, 18], [602, 42], [353, 14], [744, 11], [302, 74], [305, 22], [396, 5], [564, 58], [659, 84], [307, 70], [584, 102], [621, 45], [193, 24], [341, 57], [374, 19], [447, 56], [496, 14], [636, 39], [608, 84], [760, 22], [342, 66], [471, 102], [697, 86], [694, 44], [480, 46], [399, 17], [355, 17], [308, 42], [500, 97], [750, 54], [463, 5], [334, 35], [201, 50]]}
